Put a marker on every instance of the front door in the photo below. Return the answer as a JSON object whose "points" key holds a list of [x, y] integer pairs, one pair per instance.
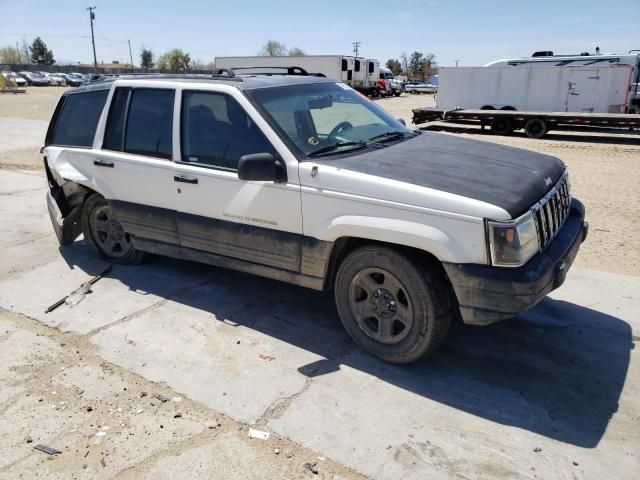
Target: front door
{"points": [[260, 222]]}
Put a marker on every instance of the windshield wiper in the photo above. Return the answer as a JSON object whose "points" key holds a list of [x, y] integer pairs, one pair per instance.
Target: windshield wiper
{"points": [[335, 146], [388, 136]]}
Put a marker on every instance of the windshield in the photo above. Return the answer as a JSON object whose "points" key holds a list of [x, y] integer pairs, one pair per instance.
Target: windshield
{"points": [[326, 118]]}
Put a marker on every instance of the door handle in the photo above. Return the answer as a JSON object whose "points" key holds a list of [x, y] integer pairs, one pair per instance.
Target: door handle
{"points": [[103, 163], [184, 179]]}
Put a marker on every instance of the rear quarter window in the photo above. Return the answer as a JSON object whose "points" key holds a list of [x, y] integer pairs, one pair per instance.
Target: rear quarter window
{"points": [[77, 119]]}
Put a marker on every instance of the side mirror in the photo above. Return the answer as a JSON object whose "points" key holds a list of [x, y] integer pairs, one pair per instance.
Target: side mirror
{"points": [[261, 167], [401, 120]]}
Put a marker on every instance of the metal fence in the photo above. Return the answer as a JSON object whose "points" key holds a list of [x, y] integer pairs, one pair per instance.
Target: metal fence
{"points": [[89, 69]]}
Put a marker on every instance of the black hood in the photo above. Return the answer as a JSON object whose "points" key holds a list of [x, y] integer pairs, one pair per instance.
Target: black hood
{"points": [[506, 177]]}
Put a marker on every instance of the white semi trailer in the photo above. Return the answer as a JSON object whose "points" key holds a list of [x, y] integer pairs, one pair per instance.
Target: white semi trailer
{"points": [[359, 73], [541, 91]]}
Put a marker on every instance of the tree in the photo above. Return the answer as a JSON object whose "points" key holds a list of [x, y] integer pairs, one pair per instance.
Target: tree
{"points": [[394, 65], [174, 60], [416, 65], [10, 55], [404, 61], [296, 52], [273, 49], [24, 52], [40, 54], [146, 59]]}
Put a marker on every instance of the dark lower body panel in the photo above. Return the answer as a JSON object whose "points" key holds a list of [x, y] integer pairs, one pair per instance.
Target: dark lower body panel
{"points": [[185, 253], [488, 294]]}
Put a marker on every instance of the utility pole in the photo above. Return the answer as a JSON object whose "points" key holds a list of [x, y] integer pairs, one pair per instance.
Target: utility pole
{"points": [[92, 17], [456, 62], [19, 57], [356, 45], [130, 56]]}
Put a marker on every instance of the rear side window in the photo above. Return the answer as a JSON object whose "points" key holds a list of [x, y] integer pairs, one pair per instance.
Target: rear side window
{"points": [[77, 121], [140, 122], [148, 129]]}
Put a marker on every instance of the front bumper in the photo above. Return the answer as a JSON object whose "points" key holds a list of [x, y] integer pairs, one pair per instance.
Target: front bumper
{"points": [[488, 294]]}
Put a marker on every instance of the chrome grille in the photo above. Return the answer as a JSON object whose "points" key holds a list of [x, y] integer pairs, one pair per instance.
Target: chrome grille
{"points": [[551, 212]]}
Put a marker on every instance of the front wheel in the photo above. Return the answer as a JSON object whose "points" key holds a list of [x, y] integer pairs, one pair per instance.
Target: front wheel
{"points": [[105, 234], [394, 307]]}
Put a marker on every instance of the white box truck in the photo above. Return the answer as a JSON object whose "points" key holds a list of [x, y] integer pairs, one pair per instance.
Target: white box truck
{"points": [[541, 91], [359, 73]]}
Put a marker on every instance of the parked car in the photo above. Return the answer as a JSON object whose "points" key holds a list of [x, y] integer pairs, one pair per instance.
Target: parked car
{"points": [[397, 86], [301, 179], [75, 79], [12, 79], [57, 79], [419, 87], [34, 79]]}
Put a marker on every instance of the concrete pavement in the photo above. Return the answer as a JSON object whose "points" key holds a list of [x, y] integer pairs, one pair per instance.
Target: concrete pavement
{"points": [[553, 394]]}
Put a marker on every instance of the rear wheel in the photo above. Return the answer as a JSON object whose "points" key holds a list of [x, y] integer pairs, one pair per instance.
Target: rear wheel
{"points": [[393, 307], [536, 128], [105, 234]]}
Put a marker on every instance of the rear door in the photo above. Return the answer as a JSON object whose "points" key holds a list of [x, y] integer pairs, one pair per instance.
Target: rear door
{"points": [[260, 222], [134, 167], [582, 89]]}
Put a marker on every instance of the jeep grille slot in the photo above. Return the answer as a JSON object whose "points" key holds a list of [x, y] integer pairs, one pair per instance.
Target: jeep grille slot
{"points": [[552, 211]]}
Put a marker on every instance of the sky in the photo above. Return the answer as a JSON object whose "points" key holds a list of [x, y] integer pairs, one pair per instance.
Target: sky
{"points": [[473, 32]]}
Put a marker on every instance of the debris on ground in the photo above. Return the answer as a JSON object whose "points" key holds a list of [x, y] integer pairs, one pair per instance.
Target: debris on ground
{"points": [[537, 449], [162, 398], [268, 358], [253, 433], [311, 467], [76, 297], [143, 394], [178, 415], [102, 462], [29, 439], [47, 450], [79, 296], [177, 399]]}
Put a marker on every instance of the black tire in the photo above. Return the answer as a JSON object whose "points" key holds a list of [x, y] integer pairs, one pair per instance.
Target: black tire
{"points": [[536, 128], [377, 282], [105, 235], [397, 93], [501, 126]]}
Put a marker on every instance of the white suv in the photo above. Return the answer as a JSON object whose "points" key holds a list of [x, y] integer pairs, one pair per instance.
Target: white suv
{"points": [[301, 179]]}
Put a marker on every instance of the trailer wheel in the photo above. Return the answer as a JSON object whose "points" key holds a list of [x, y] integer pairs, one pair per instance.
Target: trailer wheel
{"points": [[502, 126], [536, 128]]}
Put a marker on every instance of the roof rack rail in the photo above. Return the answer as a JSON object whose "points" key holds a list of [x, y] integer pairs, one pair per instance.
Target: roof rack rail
{"points": [[292, 70]]}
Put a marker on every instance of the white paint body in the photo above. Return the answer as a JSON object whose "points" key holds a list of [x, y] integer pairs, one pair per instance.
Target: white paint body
{"points": [[589, 84], [327, 204]]}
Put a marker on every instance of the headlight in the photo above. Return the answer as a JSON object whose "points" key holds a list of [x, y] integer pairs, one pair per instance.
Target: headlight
{"points": [[513, 243]]}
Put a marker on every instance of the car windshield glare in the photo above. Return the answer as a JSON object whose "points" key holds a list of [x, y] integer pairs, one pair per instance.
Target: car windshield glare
{"points": [[311, 117]]}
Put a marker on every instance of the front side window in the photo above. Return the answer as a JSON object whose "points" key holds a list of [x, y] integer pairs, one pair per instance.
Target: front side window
{"points": [[77, 121], [216, 131], [148, 125], [316, 116]]}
